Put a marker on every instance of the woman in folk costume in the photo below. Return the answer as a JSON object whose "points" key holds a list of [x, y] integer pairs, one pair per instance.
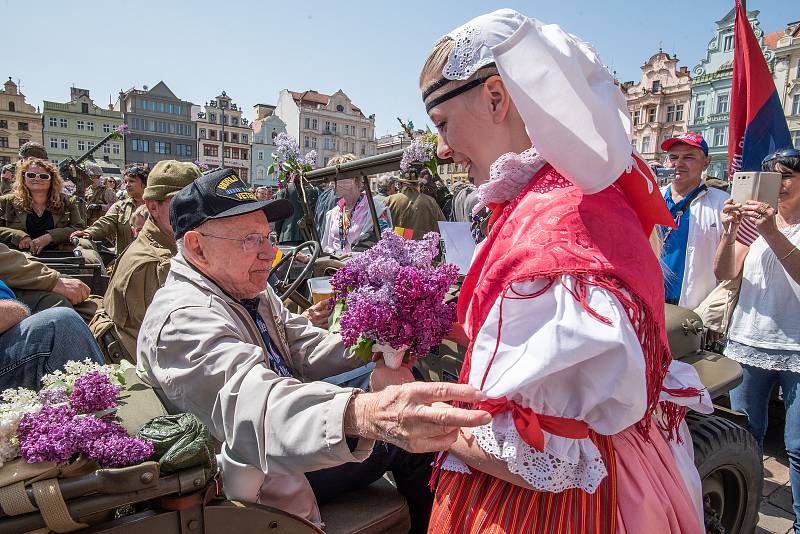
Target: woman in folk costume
{"points": [[562, 307]]}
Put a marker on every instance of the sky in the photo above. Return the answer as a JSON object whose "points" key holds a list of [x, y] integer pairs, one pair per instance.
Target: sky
{"points": [[373, 51]]}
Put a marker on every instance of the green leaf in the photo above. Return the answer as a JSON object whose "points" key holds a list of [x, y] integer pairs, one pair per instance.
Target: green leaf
{"points": [[336, 316], [363, 349]]}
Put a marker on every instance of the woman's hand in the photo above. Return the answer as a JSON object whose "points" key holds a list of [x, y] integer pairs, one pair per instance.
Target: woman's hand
{"points": [[383, 376], [41, 242], [762, 215], [25, 243], [731, 216]]}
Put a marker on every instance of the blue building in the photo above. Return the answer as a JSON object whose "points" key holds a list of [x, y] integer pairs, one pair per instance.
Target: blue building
{"points": [[711, 90]]}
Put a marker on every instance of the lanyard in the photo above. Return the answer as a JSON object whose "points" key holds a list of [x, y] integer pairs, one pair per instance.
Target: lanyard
{"points": [[276, 361], [345, 221], [686, 204]]}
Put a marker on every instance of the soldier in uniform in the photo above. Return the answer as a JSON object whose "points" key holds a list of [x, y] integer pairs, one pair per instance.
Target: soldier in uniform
{"points": [[115, 226], [98, 197], [143, 268], [7, 179], [32, 149], [411, 209]]}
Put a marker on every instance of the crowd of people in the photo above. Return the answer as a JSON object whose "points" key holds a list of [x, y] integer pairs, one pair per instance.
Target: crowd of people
{"points": [[568, 414]]}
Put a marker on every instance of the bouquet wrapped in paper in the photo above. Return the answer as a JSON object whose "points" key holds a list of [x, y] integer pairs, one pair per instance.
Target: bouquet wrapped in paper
{"points": [[390, 299]]}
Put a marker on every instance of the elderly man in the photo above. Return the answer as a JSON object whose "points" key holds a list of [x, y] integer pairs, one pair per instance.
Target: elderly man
{"points": [[98, 197], [143, 267], [385, 186], [697, 209], [217, 342]]}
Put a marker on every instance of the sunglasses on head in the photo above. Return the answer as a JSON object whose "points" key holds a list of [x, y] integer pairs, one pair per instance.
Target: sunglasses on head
{"points": [[40, 175], [783, 153]]}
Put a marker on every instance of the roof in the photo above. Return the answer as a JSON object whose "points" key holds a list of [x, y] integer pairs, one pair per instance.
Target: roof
{"points": [[317, 98], [771, 39]]}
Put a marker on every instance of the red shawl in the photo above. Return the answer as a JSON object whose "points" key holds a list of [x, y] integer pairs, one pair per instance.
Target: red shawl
{"points": [[552, 229]]}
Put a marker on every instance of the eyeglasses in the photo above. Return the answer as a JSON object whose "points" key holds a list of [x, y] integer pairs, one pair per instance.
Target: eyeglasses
{"points": [[40, 175], [783, 153], [251, 242]]}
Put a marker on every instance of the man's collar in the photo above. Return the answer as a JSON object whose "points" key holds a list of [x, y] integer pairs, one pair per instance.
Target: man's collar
{"points": [[153, 234]]}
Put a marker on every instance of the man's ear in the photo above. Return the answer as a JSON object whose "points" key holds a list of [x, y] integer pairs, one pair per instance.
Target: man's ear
{"points": [[498, 97], [706, 162], [193, 247]]}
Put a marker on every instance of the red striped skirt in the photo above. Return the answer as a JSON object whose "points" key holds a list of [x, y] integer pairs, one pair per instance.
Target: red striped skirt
{"points": [[477, 502]]}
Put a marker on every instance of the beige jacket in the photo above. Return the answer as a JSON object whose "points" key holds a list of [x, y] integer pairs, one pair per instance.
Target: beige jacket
{"points": [[13, 223], [20, 272], [203, 354]]}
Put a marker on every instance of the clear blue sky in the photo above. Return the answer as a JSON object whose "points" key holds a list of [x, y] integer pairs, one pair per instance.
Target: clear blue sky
{"points": [[371, 50]]}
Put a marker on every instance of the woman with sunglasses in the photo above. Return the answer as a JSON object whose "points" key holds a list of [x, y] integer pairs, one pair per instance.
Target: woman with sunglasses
{"points": [[37, 215], [764, 336]]}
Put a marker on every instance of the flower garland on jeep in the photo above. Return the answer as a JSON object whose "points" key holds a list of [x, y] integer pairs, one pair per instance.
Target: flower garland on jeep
{"points": [[71, 415], [390, 299]]}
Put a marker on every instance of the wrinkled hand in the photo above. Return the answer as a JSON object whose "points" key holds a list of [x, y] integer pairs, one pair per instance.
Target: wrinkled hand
{"points": [[319, 313], [414, 416], [40, 242], [302, 258], [72, 289], [25, 243], [382, 376], [81, 234], [762, 215], [731, 215]]}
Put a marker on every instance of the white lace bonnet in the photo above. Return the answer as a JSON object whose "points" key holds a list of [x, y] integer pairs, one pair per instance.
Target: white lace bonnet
{"points": [[574, 113]]}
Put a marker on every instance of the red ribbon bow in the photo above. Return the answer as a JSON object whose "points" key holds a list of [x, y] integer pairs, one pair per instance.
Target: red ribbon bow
{"points": [[530, 425]]}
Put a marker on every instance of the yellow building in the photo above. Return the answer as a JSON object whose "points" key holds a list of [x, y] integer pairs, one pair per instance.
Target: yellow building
{"points": [[20, 122], [787, 77]]}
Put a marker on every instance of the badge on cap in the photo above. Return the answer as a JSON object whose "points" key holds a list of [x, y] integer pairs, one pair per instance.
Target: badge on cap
{"points": [[233, 188]]}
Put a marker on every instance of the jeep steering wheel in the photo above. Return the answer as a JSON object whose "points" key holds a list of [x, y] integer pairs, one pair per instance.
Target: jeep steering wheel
{"points": [[282, 284]]}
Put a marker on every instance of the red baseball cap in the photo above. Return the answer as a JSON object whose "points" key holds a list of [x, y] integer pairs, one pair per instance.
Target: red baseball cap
{"points": [[689, 138]]}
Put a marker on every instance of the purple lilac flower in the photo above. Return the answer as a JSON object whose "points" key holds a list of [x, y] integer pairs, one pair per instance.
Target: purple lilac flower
{"points": [[420, 150], [55, 395], [48, 435], [286, 148], [108, 443], [122, 129], [93, 392], [310, 158]]}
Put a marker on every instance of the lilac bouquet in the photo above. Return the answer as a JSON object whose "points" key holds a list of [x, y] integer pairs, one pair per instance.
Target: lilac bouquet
{"points": [[287, 161], [390, 299], [421, 150], [72, 414]]}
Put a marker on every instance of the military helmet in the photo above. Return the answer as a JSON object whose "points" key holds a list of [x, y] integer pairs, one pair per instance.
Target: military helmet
{"points": [[32, 149]]}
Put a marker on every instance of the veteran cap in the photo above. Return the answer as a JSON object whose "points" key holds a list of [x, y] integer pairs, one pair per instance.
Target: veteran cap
{"points": [[217, 195]]}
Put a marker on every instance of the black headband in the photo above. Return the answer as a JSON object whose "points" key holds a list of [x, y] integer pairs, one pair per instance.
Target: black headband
{"points": [[455, 92]]}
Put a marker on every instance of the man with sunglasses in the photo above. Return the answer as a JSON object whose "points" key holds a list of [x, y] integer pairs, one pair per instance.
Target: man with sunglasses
{"points": [[216, 341], [144, 265]]}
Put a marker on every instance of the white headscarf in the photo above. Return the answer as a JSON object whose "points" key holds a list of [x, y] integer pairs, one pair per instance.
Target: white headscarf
{"points": [[575, 116]]}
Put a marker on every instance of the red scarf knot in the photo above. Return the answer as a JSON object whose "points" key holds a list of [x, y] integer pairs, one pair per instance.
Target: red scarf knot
{"points": [[530, 425]]}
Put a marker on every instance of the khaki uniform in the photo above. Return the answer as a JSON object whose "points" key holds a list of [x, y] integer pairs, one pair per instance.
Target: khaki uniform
{"points": [[138, 274], [102, 197], [5, 187], [115, 226], [20, 272], [13, 228], [411, 209]]}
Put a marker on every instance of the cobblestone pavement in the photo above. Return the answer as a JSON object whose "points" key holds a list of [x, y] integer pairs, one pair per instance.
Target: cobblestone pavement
{"points": [[776, 515]]}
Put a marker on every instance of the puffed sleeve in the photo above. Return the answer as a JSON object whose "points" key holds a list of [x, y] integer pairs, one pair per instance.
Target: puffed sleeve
{"points": [[556, 359]]}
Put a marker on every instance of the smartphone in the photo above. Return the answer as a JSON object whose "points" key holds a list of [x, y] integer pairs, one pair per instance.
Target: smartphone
{"points": [[760, 186], [664, 173]]}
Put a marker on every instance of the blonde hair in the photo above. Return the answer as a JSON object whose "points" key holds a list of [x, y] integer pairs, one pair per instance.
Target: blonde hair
{"points": [[341, 158], [437, 59], [23, 200]]}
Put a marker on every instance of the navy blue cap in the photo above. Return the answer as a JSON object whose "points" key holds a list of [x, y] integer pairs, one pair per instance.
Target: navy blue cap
{"points": [[217, 195]]}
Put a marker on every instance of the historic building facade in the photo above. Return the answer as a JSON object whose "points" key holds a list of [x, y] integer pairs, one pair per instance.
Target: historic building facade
{"points": [[711, 90], [787, 77], [71, 128], [223, 136], [20, 122], [659, 104], [266, 126], [160, 123], [329, 124]]}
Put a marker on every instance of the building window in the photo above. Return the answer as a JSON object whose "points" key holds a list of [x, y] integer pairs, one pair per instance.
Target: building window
{"points": [[306, 142], [89, 145], [53, 142], [656, 86], [700, 109], [115, 149], [84, 107], [244, 139], [727, 42], [722, 103], [106, 149], [308, 123], [314, 124], [81, 125], [645, 144], [22, 141], [23, 126], [12, 106], [53, 122], [244, 174], [234, 137], [796, 138], [651, 115], [212, 134], [106, 128], [183, 150], [3, 124], [234, 121], [720, 136], [162, 148], [363, 150], [313, 142], [90, 126], [670, 113], [260, 155], [327, 126], [211, 150], [202, 133], [64, 144], [62, 123], [140, 145], [796, 104], [679, 112], [81, 145], [212, 117], [633, 143], [3, 142], [260, 173]]}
